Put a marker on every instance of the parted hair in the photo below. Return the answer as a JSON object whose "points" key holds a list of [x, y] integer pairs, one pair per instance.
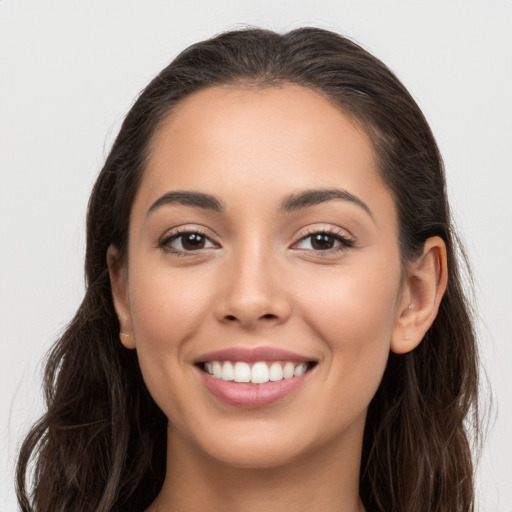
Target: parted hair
{"points": [[101, 444]]}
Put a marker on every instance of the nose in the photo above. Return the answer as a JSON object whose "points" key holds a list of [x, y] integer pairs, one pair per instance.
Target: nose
{"points": [[253, 292]]}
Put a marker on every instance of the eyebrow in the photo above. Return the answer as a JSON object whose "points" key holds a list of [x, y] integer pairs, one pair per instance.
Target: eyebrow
{"points": [[312, 197], [187, 198], [293, 202]]}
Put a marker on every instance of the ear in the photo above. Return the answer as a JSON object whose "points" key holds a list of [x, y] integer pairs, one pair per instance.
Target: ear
{"points": [[423, 288], [119, 284]]}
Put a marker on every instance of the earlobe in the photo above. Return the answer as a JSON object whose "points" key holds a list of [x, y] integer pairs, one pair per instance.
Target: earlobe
{"points": [[119, 284], [424, 287]]}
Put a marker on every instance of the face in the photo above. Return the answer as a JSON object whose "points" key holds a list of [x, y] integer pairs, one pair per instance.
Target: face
{"points": [[262, 244]]}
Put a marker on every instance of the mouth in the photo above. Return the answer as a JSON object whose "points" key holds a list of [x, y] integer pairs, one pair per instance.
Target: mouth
{"points": [[259, 372], [254, 377]]}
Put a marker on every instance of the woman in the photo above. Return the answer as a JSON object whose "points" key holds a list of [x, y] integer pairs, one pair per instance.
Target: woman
{"points": [[273, 316]]}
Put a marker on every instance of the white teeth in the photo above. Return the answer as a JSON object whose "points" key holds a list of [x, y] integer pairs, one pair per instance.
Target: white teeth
{"points": [[227, 371], [288, 370], [217, 369], [260, 372], [275, 371], [242, 372], [300, 369]]}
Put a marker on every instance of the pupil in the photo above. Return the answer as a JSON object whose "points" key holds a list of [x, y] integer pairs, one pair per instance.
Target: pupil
{"points": [[193, 241], [322, 241]]}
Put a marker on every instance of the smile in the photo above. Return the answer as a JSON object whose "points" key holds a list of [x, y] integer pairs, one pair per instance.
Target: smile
{"points": [[255, 377], [259, 372]]}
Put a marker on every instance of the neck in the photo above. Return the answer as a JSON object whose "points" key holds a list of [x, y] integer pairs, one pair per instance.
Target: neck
{"points": [[326, 480]]}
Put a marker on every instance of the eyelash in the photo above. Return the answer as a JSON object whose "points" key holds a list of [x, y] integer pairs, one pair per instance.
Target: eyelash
{"points": [[345, 242], [164, 243]]}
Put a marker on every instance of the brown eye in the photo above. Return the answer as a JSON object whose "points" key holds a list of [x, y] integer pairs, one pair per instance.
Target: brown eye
{"points": [[187, 242], [193, 241], [324, 241]]}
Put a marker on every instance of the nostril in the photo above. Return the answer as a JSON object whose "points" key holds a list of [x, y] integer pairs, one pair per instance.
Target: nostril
{"points": [[268, 316]]}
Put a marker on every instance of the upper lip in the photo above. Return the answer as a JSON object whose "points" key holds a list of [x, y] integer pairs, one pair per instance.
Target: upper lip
{"points": [[251, 355]]}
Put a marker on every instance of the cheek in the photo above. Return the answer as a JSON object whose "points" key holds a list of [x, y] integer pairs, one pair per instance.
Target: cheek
{"points": [[354, 311], [166, 306], [353, 303], [167, 309]]}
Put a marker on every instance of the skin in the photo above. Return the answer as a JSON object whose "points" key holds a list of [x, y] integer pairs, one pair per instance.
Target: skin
{"points": [[259, 281]]}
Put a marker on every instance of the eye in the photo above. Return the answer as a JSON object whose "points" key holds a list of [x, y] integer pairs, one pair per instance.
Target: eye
{"points": [[324, 241], [187, 241]]}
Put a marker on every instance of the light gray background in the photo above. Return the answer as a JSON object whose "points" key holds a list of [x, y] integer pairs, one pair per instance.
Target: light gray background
{"points": [[70, 70]]}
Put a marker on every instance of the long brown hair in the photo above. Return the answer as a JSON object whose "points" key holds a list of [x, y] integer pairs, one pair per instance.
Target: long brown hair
{"points": [[101, 445]]}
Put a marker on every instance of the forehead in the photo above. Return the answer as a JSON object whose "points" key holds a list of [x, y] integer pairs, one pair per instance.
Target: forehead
{"points": [[259, 141], [278, 118]]}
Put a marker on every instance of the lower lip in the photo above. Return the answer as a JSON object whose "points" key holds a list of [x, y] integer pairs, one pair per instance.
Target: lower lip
{"points": [[252, 395]]}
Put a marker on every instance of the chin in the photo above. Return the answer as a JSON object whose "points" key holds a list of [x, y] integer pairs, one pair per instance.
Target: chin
{"points": [[253, 448], [263, 456]]}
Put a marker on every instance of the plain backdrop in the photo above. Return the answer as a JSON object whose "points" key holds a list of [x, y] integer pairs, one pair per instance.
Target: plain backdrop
{"points": [[69, 72]]}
